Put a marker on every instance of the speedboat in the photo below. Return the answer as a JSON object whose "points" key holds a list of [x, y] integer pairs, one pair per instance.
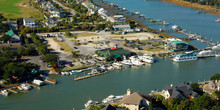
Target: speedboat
{"points": [[111, 99], [89, 103], [4, 92]]}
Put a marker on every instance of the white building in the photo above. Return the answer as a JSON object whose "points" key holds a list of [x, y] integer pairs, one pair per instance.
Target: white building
{"points": [[29, 22], [124, 28]]}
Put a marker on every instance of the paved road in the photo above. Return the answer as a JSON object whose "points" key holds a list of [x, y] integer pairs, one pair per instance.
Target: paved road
{"points": [[64, 7]]}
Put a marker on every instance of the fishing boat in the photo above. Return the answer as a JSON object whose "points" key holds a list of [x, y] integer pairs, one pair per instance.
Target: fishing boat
{"points": [[89, 103], [111, 99], [205, 53], [4, 92], [185, 57]]}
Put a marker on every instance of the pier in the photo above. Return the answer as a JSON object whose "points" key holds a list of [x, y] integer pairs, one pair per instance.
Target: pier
{"points": [[51, 81], [89, 76]]}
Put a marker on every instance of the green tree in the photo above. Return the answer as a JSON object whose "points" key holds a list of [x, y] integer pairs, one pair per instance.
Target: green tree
{"points": [[5, 38], [51, 59]]}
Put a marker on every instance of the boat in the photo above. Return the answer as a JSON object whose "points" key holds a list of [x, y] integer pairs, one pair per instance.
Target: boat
{"points": [[117, 65], [218, 20], [146, 58], [111, 99], [126, 62], [94, 71], [217, 47], [217, 55], [25, 87], [110, 68], [175, 27], [205, 53], [185, 57], [136, 61], [166, 23], [198, 11], [4, 92], [89, 103], [76, 71], [38, 82], [103, 67]]}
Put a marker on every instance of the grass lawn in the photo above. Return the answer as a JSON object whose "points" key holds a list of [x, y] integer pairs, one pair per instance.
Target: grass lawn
{"points": [[18, 8], [64, 45], [86, 34]]}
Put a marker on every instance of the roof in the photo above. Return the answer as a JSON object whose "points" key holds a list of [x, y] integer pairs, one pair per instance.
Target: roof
{"points": [[108, 51], [11, 32], [28, 19], [178, 42], [109, 107], [122, 26], [135, 98]]}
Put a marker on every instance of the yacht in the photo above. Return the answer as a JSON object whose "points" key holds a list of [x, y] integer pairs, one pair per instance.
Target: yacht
{"points": [[205, 53], [94, 71], [111, 99], [185, 57], [25, 87], [126, 62], [90, 102], [217, 47], [136, 61], [4, 92], [146, 58]]}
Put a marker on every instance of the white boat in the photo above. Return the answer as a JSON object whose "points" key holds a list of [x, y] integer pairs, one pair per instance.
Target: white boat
{"points": [[71, 73], [175, 27], [38, 82], [218, 20], [63, 73], [117, 65], [217, 47], [76, 71], [4, 92], [103, 67], [166, 23], [217, 55], [111, 99], [126, 62], [205, 53], [90, 102], [110, 68], [136, 61], [146, 58], [25, 87], [185, 57], [94, 71]]}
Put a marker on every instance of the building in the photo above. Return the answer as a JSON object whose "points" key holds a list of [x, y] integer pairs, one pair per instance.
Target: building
{"points": [[176, 44], [29, 22], [57, 13], [14, 36], [90, 6], [119, 19], [211, 86], [182, 91], [124, 28], [12, 24], [109, 107], [113, 53], [51, 22], [136, 101]]}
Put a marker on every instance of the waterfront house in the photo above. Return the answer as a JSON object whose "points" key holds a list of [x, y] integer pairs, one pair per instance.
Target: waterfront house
{"points": [[211, 86], [57, 13], [136, 100], [29, 22], [14, 36], [182, 91]]}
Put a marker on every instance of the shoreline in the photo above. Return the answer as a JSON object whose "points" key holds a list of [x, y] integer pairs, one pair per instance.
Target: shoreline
{"points": [[205, 8]]}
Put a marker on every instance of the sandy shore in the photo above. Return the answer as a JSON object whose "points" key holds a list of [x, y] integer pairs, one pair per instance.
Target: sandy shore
{"points": [[205, 8]]}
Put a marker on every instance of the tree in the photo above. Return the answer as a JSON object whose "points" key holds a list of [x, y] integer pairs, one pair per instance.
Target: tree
{"points": [[51, 59], [158, 97], [215, 77], [22, 51], [5, 38], [196, 88]]}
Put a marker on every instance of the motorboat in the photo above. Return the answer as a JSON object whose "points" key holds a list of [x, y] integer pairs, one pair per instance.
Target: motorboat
{"points": [[111, 99], [76, 71], [126, 62], [217, 47], [4, 92], [94, 71], [136, 61], [110, 68], [89, 103], [205, 53]]}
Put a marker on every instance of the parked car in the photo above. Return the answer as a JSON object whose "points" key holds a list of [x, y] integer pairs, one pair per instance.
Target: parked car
{"points": [[75, 47], [90, 41]]}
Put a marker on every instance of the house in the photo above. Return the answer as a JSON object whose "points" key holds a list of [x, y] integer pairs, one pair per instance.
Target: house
{"points": [[51, 22], [12, 24], [211, 86], [182, 91], [29, 22], [124, 28], [136, 100], [57, 13], [14, 36], [119, 19]]}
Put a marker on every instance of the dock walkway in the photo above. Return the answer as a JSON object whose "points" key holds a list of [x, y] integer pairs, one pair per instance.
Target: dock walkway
{"points": [[89, 76]]}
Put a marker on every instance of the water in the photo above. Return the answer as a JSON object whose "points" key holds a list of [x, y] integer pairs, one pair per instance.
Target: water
{"points": [[68, 94]]}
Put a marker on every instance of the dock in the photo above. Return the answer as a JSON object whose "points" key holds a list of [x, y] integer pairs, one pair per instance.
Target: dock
{"points": [[89, 76], [51, 81]]}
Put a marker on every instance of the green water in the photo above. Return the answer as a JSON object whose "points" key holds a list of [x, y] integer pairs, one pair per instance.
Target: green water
{"points": [[68, 94]]}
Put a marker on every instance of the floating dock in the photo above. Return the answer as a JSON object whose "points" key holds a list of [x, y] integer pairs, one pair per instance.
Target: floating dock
{"points": [[51, 81], [89, 76]]}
